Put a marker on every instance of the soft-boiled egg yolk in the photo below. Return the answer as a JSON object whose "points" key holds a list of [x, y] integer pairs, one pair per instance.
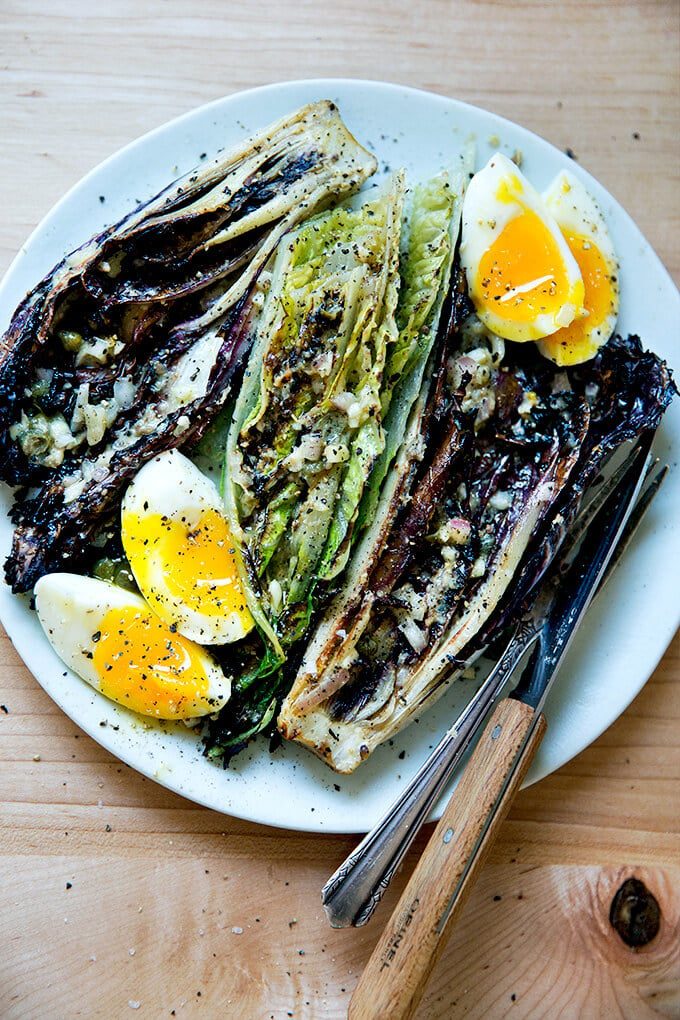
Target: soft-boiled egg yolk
{"points": [[142, 664], [112, 639], [193, 561], [585, 231], [181, 551], [522, 278]]}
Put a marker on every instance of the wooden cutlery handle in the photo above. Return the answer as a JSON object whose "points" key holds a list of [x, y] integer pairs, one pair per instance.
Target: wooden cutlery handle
{"points": [[394, 979]]}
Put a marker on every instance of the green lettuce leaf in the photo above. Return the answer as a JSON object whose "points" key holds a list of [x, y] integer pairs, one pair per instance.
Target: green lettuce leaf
{"points": [[426, 261], [307, 429]]}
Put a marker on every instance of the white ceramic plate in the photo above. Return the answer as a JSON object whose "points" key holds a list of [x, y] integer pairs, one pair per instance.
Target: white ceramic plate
{"points": [[627, 630]]}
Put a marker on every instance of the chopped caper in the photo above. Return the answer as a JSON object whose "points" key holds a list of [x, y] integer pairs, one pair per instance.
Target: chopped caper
{"points": [[71, 340], [36, 439], [39, 388]]}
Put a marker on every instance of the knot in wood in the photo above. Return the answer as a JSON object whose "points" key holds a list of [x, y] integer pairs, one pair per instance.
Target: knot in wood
{"points": [[635, 913]]}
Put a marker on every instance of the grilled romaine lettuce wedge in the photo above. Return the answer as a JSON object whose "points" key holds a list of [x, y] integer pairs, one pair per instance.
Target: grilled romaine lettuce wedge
{"points": [[128, 347], [307, 427], [428, 304]]}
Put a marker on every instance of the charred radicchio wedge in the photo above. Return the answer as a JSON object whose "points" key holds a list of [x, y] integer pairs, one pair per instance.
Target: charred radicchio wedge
{"points": [[627, 390], [128, 347], [523, 441]]}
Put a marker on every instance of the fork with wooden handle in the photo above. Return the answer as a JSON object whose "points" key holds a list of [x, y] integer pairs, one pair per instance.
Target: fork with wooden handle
{"points": [[394, 979]]}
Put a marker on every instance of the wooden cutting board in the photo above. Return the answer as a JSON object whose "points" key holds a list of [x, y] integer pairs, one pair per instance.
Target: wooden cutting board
{"points": [[120, 899]]}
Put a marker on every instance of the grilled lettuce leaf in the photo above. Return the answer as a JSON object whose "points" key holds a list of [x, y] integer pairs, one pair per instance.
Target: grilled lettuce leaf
{"points": [[384, 449], [130, 345], [307, 427], [305, 432]]}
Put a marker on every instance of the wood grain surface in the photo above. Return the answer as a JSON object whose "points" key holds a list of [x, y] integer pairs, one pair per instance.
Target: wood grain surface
{"points": [[120, 899]]}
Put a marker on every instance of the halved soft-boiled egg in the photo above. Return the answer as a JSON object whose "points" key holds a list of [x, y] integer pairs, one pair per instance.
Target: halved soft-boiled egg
{"points": [[585, 230], [111, 638], [522, 277], [181, 551]]}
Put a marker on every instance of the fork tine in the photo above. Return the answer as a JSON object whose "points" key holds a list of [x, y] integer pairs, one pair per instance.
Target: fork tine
{"points": [[594, 503]]}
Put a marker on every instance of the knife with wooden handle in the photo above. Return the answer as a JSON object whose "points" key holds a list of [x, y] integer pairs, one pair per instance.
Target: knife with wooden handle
{"points": [[395, 977]]}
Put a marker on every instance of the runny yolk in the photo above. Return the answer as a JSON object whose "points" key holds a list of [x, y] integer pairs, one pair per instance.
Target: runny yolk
{"points": [[178, 561], [143, 665], [579, 341], [522, 274]]}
